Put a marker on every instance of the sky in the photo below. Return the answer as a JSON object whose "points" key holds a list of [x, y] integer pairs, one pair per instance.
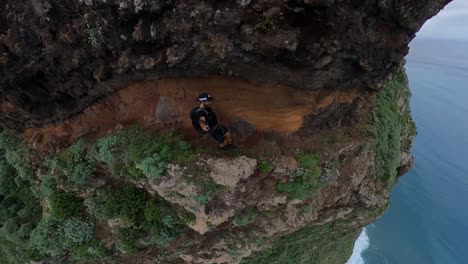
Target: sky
{"points": [[453, 24]]}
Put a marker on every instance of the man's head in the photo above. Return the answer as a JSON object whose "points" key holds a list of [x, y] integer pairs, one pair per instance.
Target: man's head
{"points": [[205, 99]]}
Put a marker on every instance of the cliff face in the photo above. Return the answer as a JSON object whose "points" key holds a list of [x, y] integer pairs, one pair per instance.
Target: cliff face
{"points": [[143, 195], [60, 56], [105, 167]]}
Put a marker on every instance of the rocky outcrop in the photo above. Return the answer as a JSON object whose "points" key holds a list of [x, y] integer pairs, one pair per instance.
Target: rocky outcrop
{"points": [[60, 56], [313, 91], [195, 185]]}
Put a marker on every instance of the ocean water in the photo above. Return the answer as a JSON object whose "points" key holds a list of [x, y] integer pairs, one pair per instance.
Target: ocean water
{"points": [[427, 221]]}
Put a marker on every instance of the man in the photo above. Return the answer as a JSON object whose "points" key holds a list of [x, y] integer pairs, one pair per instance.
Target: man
{"points": [[204, 121]]}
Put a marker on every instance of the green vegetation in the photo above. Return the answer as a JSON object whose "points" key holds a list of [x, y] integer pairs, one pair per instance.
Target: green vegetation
{"points": [[330, 244], [141, 219], [16, 154], [246, 216], [48, 239], [154, 166], [77, 230], [392, 125], [94, 37], [65, 230], [266, 24], [55, 238], [307, 178], [20, 210], [64, 205], [137, 153], [334, 138], [265, 166], [209, 190]]}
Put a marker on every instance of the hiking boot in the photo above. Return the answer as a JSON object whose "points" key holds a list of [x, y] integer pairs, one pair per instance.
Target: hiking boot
{"points": [[228, 138]]}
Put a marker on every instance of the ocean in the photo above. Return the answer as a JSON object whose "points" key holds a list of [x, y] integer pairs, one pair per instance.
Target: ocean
{"points": [[427, 221]]}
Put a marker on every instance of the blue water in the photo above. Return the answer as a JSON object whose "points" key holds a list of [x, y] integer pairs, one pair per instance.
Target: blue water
{"points": [[427, 221]]}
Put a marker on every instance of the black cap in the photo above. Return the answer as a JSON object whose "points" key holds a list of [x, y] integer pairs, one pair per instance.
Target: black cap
{"points": [[205, 97]]}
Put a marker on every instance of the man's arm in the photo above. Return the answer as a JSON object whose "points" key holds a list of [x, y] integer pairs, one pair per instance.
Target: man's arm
{"points": [[203, 124]]}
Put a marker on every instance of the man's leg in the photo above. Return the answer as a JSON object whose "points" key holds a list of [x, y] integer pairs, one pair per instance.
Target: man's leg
{"points": [[227, 137]]}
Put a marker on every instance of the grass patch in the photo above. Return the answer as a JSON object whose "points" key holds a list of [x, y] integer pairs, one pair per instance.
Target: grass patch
{"points": [[392, 126], [312, 245], [335, 138], [307, 178], [265, 166]]}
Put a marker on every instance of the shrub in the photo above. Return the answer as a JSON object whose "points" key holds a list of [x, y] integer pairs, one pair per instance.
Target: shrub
{"points": [[81, 174], [307, 178], [151, 212], [202, 198], [128, 240], [184, 151], [107, 150], [73, 166], [16, 154], [392, 125], [137, 153], [309, 162], [158, 237], [48, 238], [147, 220], [78, 231], [209, 190], [48, 186], [155, 166], [64, 205], [265, 166], [126, 203], [91, 251], [7, 178], [75, 163], [19, 208], [163, 230]]}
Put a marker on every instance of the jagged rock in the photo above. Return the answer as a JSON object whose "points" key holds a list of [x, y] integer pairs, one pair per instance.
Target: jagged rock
{"points": [[41, 7], [228, 172], [285, 165], [184, 32], [318, 3], [282, 39], [226, 18], [244, 3], [322, 62], [178, 187], [175, 55]]}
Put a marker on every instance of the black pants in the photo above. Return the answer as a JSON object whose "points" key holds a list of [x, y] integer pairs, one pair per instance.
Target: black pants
{"points": [[218, 132]]}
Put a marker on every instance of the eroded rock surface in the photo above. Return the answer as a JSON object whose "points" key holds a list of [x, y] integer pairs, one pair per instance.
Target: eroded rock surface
{"points": [[187, 186], [228, 172], [60, 56]]}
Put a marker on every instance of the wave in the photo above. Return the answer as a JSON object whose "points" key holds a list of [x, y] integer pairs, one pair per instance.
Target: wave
{"points": [[361, 245]]}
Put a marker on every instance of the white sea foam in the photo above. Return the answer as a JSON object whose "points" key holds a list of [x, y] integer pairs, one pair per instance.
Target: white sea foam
{"points": [[361, 244]]}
